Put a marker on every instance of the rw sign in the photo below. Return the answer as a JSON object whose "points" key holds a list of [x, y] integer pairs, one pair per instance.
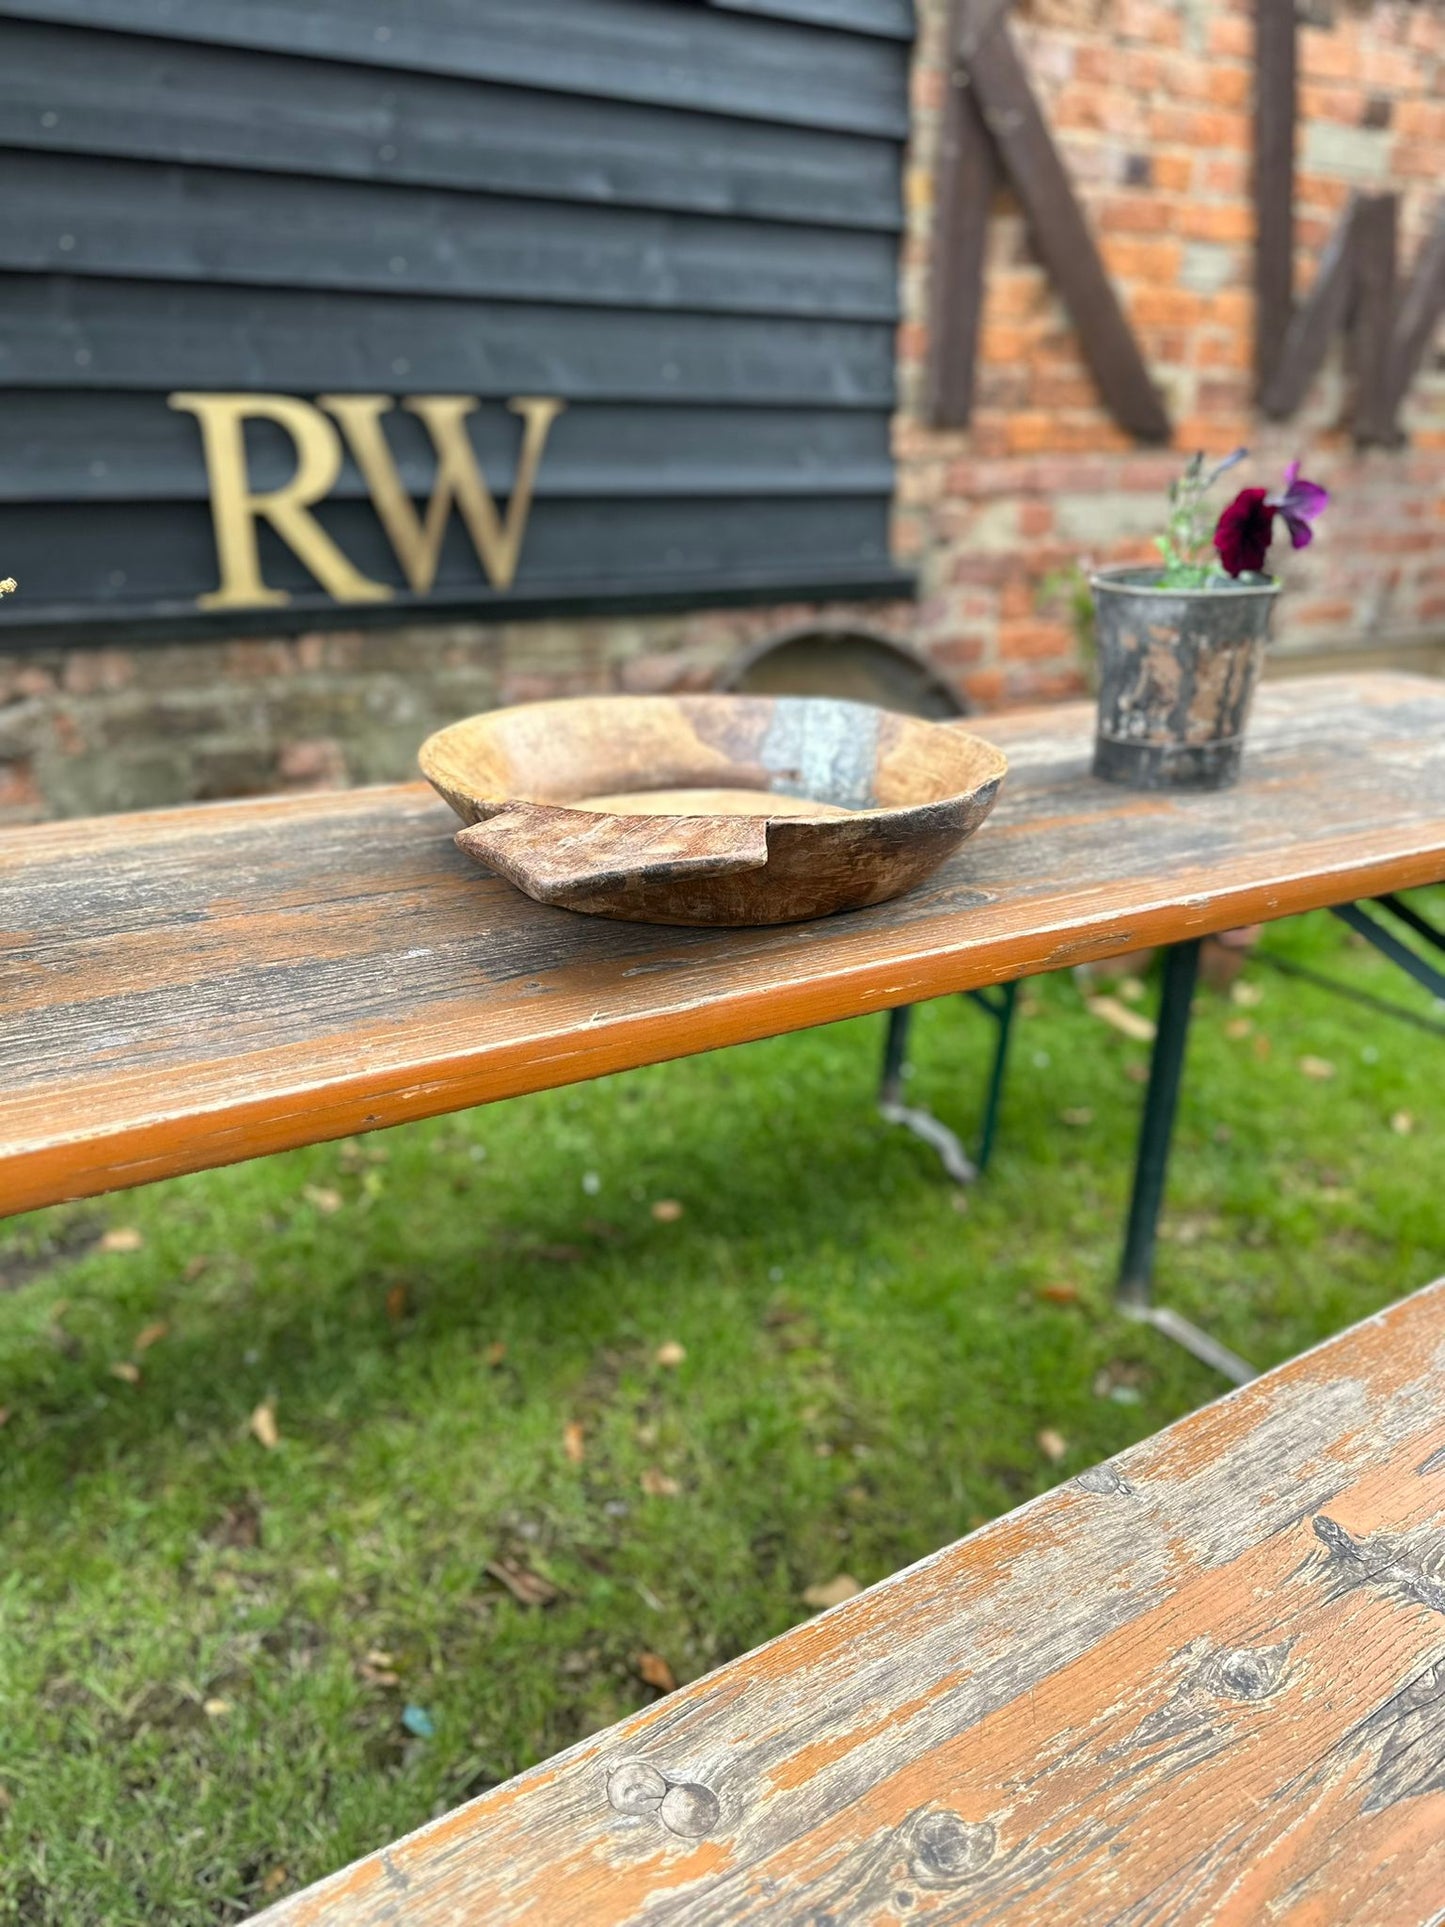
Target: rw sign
{"points": [[323, 432]]}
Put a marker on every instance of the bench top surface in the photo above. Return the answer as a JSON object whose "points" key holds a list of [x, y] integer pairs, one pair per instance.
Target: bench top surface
{"points": [[1202, 1683], [185, 988]]}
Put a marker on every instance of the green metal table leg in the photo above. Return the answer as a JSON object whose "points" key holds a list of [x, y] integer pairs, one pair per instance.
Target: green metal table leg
{"points": [[1001, 1008], [999, 1004], [1156, 1131]]}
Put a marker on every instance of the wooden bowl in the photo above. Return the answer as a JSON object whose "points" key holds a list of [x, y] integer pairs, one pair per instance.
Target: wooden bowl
{"points": [[711, 809]]}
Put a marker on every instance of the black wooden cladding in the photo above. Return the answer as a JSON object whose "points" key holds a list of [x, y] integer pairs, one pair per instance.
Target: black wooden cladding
{"points": [[679, 216], [115, 94]]}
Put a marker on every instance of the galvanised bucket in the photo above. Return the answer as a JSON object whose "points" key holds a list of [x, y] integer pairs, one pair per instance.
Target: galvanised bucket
{"points": [[1177, 670]]}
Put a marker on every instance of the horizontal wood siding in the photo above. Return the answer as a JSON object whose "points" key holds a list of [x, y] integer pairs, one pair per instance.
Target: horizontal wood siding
{"points": [[679, 216]]}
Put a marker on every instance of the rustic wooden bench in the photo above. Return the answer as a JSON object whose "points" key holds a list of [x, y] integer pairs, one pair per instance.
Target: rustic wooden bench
{"points": [[186, 988], [1204, 1682]]}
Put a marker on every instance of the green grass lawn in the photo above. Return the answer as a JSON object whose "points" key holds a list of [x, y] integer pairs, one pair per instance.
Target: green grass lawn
{"points": [[226, 1667]]}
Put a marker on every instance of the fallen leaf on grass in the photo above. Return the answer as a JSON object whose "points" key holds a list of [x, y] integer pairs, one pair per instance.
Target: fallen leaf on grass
{"points": [[667, 1211], [1131, 989], [1137, 1073], [1238, 1028], [653, 1670], [670, 1354], [323, 1197], [832, 1592], [1248, 996], [1061, 1294], [528, 1588], [122, 1368], [574, 1441], [495, 1353], [377, 1669], [1079, 1117], [1053, 1445], [1119, 1017], [1402, 1124], [1319, 1068], [1262, 1047], [657, 1485], [123, 1237], [275, 1880], [4, 1414], [263, 1425], [193, 1269], [396, 1303], [216, 1709], [1120, 1380], [149, 1335]]}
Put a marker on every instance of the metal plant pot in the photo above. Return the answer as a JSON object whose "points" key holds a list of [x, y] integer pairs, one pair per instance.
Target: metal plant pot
{"points": [[1177, 670]]}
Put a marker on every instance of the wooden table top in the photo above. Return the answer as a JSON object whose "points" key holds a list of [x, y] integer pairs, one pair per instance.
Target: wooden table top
{"points": [[1202, 1683], [185, 988]]}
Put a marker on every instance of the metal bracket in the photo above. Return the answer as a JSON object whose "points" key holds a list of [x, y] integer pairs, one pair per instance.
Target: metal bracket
{"points": [[1389, 945], [1161, 1101], [963, 1169]]}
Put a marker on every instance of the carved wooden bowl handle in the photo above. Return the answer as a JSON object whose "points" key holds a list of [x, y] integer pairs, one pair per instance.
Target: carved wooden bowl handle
{"points": [[549, 851]]}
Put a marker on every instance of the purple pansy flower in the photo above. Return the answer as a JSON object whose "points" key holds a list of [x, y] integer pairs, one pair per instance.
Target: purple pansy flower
{"points": [[1299, 502], [1243, 534]]}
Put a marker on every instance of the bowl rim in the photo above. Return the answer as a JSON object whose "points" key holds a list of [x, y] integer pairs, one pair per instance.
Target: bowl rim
{"points": [[491, 806]]}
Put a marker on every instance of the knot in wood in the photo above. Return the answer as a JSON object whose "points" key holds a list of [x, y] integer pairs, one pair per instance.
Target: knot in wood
{"points": [[1248, 1672], [1103, 1481], [682, 1806], [1428, 1688], [635, 1787], [690, 1809], [944, 1848]]}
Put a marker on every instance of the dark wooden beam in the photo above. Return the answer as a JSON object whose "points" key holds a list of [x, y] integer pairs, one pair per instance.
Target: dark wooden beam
{"points": [[1316, 322], [1420, 310], [1372, 314], [1276, 94], [964, 184], [986, 50]]}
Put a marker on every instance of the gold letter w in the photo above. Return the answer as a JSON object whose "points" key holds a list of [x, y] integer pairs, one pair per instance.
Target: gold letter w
{"points": [[459, 480]]}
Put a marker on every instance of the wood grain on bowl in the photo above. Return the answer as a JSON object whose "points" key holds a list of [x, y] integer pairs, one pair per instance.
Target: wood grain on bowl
{"points": [[726, 810]]}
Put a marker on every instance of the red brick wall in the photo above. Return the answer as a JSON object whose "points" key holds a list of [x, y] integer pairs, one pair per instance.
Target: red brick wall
{"points": [[1151, 105]]}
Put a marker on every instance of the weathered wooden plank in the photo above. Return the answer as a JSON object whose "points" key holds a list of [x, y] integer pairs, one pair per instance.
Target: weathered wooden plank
{"points": [[82, 334], [1201, 1683], [193, 987], [67, 90], [1316, 321], [1276, 105], [891, 19], [673, 56], [1372, 319], [1418, 315], [139, 221], [1016, 124], [124, 557], [130, 447], [965, 181]]}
